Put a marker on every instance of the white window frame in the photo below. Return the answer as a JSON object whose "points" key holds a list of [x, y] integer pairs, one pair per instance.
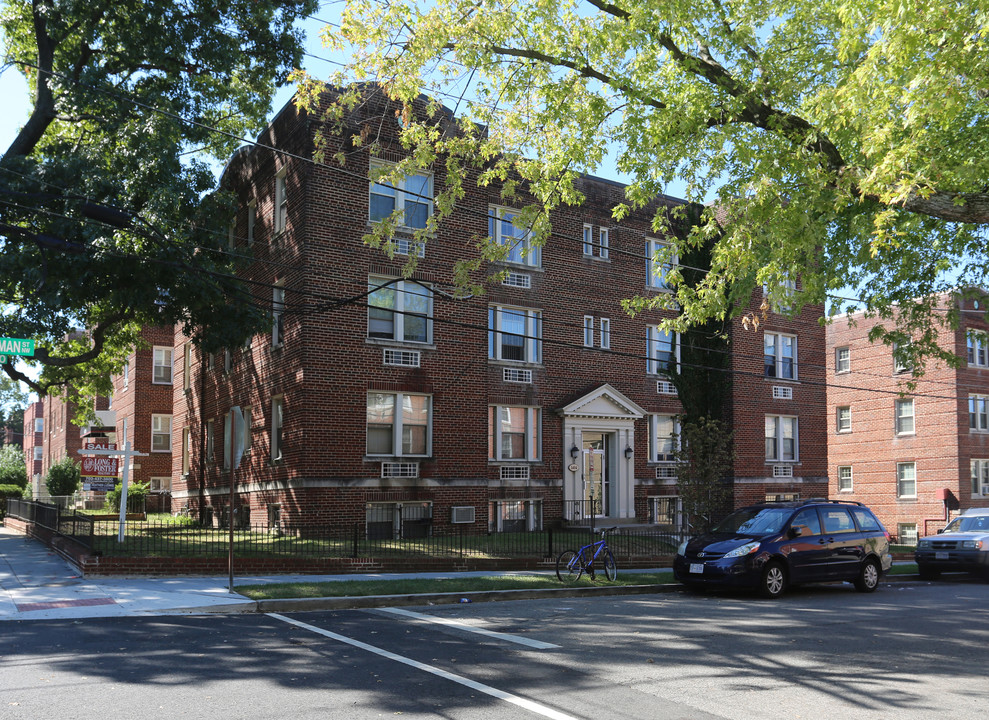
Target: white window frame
{"points": [[778, 454], [532, 344], [186, 450], [904, 536], [160, 484], [401, 293], [252, 219], [280, 210], [277, 428], [604, 243], [657, 271], [397, 429], [588, 331], [654, 438], [980, 477], [902, 479], [532, 420], [161, 365], [522, 251], [588, 245], [900, 417], [978, 348], [39, 453], [277, 313], [187, 366], [842, 360], [778, 364], [246, 413], [845, 479], [601, 247], [843, 418], [157, 431], [978, 413], [403, 193], [210, 440], [900, 367], [657, 339], [605, 333], [39, 425]]}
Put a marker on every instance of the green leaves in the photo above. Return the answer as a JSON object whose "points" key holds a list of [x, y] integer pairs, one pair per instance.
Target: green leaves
{"points": [[134, 105], [846, 141]]}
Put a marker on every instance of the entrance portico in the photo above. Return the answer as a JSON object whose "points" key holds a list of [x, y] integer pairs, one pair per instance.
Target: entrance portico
{"points": [[599, 443]]}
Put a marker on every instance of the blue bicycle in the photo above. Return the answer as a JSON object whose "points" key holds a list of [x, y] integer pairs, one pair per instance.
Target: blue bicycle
{"points": [[571, 564]]}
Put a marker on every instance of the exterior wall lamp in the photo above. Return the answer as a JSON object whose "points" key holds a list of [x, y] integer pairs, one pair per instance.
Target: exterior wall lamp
{"points": [[628, 452], [574, 452]]}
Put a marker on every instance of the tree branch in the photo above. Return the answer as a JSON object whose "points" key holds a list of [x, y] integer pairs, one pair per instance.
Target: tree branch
{"points": [[98, 337], [43, 113]]}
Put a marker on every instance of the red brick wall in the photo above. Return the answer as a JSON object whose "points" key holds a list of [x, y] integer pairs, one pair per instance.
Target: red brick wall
{"points": [[942, 444]]}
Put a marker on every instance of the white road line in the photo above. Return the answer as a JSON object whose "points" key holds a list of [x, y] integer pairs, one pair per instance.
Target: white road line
{"points": [[536, 644], [472, 684]]}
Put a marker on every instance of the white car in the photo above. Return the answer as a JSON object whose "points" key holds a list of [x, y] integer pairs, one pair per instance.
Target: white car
{"points": [[963, 546]]}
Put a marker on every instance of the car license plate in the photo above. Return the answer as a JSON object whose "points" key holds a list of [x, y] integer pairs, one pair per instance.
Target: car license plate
{"points": [[937, 556], [697, 567]]}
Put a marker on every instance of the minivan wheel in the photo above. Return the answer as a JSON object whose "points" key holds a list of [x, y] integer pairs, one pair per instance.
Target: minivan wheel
{"points": [[868, 579], [773, 580]]}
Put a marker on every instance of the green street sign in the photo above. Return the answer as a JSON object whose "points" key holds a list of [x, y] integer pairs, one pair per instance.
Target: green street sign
{"points": [[16, 346]]}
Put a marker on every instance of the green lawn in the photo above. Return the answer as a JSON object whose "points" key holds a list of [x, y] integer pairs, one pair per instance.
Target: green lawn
{"points": [[360, 588]]}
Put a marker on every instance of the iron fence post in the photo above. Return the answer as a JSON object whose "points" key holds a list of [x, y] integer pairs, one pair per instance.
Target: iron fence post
{"points": [[355, 541]]}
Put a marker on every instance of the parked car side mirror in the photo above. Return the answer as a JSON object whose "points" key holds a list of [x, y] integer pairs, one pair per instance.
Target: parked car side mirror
{"points": [[794, 531]]}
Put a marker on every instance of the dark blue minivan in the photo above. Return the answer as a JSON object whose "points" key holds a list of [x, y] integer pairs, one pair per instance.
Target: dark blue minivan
{"points": [[771, 546]]}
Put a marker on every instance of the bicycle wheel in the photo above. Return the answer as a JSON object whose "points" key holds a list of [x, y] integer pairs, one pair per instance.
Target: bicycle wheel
{"points": [[569, 567], [610, 568]]}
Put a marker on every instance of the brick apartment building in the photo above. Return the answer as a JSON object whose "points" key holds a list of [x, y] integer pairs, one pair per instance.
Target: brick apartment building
{"points": [[34, 447], [389, 402], [914, 456]]}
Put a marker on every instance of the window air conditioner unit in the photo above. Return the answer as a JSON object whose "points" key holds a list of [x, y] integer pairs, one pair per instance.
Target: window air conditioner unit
{"points": [[464, 514]]}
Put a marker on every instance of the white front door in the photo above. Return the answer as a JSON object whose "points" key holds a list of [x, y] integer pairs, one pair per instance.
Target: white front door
{"points": [[597, 485]]}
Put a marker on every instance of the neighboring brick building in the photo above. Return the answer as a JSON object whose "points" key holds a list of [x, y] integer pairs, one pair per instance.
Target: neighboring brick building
{"points": [[911, 455], [142, 413], [34, 448], [390, 403]]}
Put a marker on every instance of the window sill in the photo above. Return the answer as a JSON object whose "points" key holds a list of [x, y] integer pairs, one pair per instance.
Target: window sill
{"points": [[410, 344], [788, 381], [905, 435], [397, 458], [514, 363], [518, 266]]}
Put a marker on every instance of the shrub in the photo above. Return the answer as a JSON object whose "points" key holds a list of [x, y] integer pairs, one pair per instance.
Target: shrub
{"points": [[135, 491], [63, 477]]}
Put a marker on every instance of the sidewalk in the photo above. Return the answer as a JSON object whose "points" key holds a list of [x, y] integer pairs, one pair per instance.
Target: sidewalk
{"points": [[37, 584]]}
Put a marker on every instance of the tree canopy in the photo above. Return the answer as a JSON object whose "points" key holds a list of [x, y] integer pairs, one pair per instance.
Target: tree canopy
{"points": [[842, 141], [109, 219]]}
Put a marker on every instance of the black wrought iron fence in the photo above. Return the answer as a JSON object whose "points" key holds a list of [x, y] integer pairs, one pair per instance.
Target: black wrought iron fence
{"points": [[186, 538], [51, 516]]}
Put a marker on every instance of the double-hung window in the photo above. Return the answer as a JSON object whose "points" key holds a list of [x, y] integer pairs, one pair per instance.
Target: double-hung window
{"points": [[514, 334], [781, 299], [781, 439], [980, 477], [660, 259], [844, 419], [399, 424], [842, 360], [662, 350], [277, 427], [664, 438], [906, 480], [161, 433], [902, 362], [513, 433], [978, 349], [399, 310], [588, 331], [845, 478], [780, 356], [904, 417], [502, 230], [600, 247], [978, 412], [605, 333], [411, 196], [281, 202], [161, 373], [277, 313]]}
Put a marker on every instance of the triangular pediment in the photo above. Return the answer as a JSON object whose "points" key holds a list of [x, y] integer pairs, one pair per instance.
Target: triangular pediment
{"points": [[603, 402]]}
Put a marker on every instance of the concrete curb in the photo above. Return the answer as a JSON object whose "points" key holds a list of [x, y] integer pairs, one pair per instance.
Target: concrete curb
{"points": [[374, 601]]}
